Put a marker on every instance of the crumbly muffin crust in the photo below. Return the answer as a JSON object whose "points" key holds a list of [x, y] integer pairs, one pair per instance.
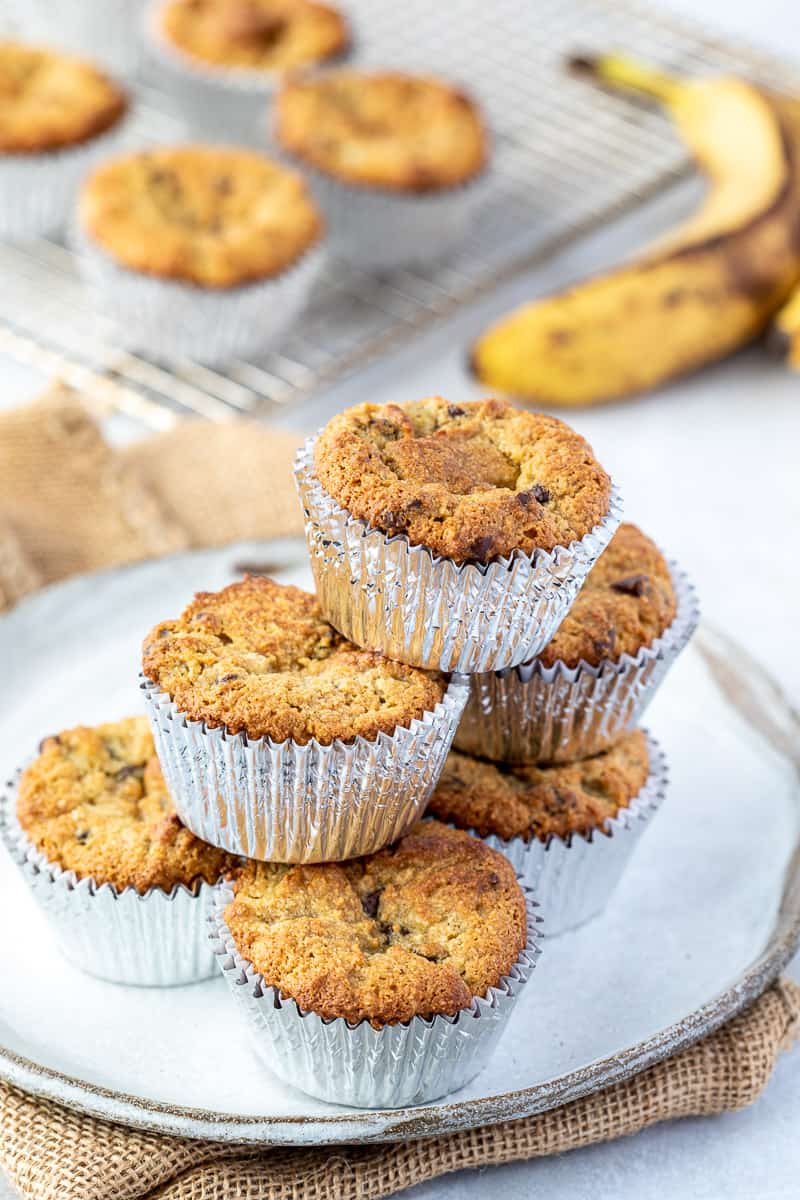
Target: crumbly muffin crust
{"points": [[472, 481], [541, 802], [213, 216], [258, 657], [49, 100], [256, 35], [418, 929], [95, 802], [627, 601], [402, 132]]}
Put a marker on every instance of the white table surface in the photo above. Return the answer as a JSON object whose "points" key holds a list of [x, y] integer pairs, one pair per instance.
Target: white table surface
{"points": [[711, 467]]}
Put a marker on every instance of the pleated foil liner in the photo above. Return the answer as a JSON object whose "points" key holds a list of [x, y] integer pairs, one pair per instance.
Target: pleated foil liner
{"points": [[387, 595], [537, 714], [391, 1067], [284, 802], [574, 878], [153, 939], [380, 229], [174, 320], [106, 31], [37, 191]]}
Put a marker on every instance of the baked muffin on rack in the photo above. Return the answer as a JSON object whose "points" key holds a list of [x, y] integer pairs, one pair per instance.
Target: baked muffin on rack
{"points": [[205, 251], [57, 113], [398, 161]]}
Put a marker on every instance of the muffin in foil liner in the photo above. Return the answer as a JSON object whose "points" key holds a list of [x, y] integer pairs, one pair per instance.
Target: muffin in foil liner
{"points": [[108, 31], [537, 714], [174, 320], [285, 802], [574, 878], [390, 1067], [385, 594], [151, 939], [37, 191]]}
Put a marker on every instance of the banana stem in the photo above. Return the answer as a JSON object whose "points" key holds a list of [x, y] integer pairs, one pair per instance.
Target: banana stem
{"points": [[622, 72]]}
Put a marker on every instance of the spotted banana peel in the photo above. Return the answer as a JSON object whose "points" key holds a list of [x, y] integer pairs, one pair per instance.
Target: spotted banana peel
{"points": [[710, 286]]}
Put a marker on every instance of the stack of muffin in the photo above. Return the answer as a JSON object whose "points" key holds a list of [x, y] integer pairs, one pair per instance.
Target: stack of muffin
{"points": [[377, 949]]}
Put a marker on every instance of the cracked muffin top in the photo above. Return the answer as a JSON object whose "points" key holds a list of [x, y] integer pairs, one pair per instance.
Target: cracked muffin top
{"points": [[213, 216], [402, 132], [417, 929], [255, 35], [95, 802], [541, 802], [259, 658], [49, 100], [627, 601], [472, 481]]}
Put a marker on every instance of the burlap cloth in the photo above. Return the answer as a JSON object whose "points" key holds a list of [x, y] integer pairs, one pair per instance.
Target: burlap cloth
{"points": [[69, 502]]}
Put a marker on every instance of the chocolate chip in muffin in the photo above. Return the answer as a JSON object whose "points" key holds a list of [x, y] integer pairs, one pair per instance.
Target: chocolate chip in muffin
{"points": [[631, 585]]}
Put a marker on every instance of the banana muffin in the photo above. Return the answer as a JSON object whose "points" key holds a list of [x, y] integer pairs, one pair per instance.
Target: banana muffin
{"points": [[259, 658], [210, 216], [472, 482], [627, 602], [95, 802], [418, 929], [390, 130], [541, 802], [52, 101], [254, 35]]}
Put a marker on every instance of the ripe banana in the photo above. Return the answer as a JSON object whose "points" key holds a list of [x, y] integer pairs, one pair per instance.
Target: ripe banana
{"points": [[694, 296], [784, 336]]}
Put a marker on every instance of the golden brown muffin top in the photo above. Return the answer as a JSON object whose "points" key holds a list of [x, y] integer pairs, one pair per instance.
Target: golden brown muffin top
{"points": [[255, 35], [541, 802], [389, 130], [214, 216], [472, 481], [259, 657], [627, 601], [95, 803], [417, 929], [50, 100]]}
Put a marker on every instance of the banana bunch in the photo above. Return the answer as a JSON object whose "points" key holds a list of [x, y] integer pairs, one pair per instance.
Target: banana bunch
{"points": [[713, 284]]}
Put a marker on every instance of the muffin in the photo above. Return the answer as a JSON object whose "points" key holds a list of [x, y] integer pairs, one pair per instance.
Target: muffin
{"points": [[385, 980], [57, 114], [568, 829], [124, 883], [398, 161], [222, 59], [203, 251], [467, 528], [108, 30], [594, 679], [279, 739]]}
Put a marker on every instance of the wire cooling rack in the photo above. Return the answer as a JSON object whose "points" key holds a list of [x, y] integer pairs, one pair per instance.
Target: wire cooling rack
{"points": [[567, 157]]}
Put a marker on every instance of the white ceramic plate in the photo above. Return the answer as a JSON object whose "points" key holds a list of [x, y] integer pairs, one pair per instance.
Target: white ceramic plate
{"points": [[706, 916]]}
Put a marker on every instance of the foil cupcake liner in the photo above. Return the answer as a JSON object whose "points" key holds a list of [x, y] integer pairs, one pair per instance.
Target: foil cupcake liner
{"points": [[391, 1067], [387, 595], [284, 802], [173, 320], [107, 31], [37, 191], [380, 229], [574, 878], [537, 714], [150, 939]]}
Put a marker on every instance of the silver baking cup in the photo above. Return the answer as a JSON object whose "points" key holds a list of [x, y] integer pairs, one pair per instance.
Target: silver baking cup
{"points": [[283, 802], [537, 714], [574, 878], [151, 939], [390, 1067], [380, 229], [106, 31], [387, 595], [173, 320], [37, 191]]}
